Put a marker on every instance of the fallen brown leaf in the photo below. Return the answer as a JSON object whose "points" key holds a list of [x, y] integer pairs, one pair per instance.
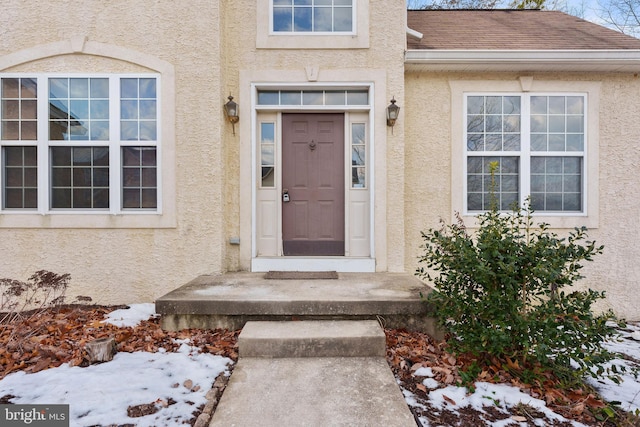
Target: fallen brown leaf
{"points": [[449, 400]]}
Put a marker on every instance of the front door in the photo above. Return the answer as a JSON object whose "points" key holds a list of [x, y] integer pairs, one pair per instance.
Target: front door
{"points": [[313, 184]]}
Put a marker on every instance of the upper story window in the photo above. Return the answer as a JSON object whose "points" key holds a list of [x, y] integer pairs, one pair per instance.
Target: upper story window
{"points": [[536, 143], [79, 143], [312, 16], [312, 24]]}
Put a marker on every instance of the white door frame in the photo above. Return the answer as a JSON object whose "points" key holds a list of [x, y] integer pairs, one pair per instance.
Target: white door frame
{"points": [[342, 263]]}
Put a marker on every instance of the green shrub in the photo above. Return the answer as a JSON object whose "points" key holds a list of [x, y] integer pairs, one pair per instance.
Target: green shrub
{"points": [[502, 293]]}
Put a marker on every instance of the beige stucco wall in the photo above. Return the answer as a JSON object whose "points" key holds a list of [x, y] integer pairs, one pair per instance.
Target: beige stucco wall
{"points": [[120, 265], [385, 54], [204, 45], [207, 48], [428, 181]]}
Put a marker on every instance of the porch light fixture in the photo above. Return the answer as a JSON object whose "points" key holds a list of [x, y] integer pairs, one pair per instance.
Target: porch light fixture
{"points": [[392, 113], [231, 111]]}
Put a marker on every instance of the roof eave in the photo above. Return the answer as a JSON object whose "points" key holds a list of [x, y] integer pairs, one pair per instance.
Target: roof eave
{"points": [[600, 60]]}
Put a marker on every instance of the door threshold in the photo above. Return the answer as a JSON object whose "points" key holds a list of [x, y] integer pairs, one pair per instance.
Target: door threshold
{"points": [[292, 263]]}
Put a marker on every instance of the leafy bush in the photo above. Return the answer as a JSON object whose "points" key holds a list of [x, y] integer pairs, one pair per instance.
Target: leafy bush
{"points": [[501, 293]]}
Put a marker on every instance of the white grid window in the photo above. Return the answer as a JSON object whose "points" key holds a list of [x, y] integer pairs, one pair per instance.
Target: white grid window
{"points": [[312, 16], [520, 145], [79, 143]]}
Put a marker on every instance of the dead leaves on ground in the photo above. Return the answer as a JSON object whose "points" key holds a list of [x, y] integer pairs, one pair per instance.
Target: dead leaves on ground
{"points": [[409, 351], [59, 336], [54, 337]]}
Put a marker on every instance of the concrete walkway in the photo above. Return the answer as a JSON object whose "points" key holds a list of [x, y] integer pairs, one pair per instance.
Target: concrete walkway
{"points": [[312, 373]]}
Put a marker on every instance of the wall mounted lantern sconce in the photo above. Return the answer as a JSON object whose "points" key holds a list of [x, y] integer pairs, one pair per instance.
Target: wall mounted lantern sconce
{"points": [[392, 113], [231, 111]]}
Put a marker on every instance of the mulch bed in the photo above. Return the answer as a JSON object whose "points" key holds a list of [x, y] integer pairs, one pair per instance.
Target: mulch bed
{"points": [[49, 338], [408, 351], [52, 337]]}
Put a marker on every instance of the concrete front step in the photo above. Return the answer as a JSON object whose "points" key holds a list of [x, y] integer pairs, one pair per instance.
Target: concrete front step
{"points": [[312, 339], [232, 299]]}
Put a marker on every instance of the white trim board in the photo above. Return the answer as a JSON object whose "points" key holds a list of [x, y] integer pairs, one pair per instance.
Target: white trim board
{"points": [[339, 264]]}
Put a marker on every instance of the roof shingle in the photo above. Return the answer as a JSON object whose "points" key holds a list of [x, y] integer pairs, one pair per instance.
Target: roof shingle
{"points": [[511, 30]]}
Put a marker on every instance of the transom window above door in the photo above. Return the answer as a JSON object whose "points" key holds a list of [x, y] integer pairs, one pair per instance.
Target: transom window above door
{"points": [[312, 16], [334, 97]]}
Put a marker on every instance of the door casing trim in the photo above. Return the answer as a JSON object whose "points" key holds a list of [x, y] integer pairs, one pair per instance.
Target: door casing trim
{"points": [[343, 264]]}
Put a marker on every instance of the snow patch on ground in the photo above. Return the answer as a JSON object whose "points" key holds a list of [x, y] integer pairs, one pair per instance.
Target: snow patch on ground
{"points": [[500, 396], [503, 396], [627, 392], [423, 372], [100, 394], [131, 316]]}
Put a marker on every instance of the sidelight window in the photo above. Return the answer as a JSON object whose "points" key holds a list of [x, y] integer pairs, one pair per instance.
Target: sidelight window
{"points": [[267, 154], [358, 156]]}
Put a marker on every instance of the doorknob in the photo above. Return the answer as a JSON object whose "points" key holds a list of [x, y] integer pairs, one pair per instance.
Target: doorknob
{"points": [[285, 196]]}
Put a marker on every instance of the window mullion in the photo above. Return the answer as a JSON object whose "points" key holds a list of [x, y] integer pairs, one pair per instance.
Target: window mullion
{"points": [[159, 146], [465, 156], [333, 18], [44, 164], [115, 179], [525, 148], [585, 153]]}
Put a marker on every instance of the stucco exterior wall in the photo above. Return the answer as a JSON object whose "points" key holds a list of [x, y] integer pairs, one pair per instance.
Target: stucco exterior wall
{"points": [[121, 265], [428, 159], [207, 45], [617, 271], [215, 49], [384, 54]]}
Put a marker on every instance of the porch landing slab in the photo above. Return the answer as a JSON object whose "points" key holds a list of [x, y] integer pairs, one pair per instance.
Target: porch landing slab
{"points": [[230, 300]]}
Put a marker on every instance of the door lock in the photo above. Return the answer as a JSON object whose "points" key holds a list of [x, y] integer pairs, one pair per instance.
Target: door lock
{"points": [[285, 196]]}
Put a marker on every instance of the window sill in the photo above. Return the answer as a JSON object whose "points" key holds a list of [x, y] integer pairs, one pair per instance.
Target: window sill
{"points": [[87, 220], [558, 221], [320, 41]]}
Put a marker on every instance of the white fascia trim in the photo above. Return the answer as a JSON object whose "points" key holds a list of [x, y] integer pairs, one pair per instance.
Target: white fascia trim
{"points": [[603, 59]]}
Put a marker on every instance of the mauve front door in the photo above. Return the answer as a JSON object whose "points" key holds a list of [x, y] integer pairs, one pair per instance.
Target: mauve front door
{"points": [[313, 184]]}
